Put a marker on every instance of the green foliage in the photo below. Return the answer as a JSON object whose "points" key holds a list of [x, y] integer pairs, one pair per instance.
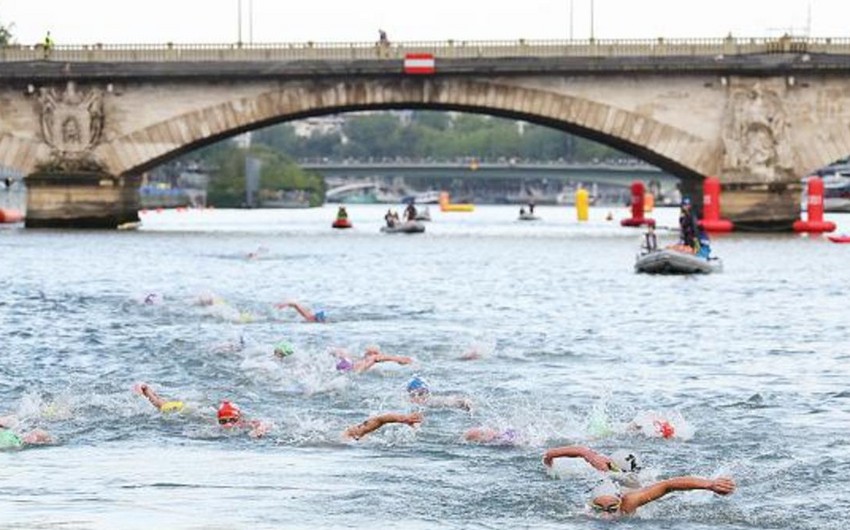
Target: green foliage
{"points": [[6, 37], [277, 173]]}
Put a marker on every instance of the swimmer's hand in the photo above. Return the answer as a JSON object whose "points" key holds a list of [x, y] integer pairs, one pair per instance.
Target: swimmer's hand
{"points": [[412, 419], [722, 485], [259, 429]]}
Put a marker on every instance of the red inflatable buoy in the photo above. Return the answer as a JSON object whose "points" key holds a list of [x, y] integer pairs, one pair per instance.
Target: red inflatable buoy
{"points": [[638, 198], [711, 221], [9, 215], [814, 208]]}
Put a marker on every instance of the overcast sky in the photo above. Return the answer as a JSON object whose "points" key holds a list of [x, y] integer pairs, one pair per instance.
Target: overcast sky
{"points": [[215, 21]]}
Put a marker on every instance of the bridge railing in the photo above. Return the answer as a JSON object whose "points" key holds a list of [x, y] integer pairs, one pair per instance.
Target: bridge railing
{"points": [[441, 49]]}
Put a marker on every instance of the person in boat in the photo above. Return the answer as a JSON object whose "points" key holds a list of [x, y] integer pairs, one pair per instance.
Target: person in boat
{"points": [[395, 218], [371, 357], [650, 239], [341, 214], [389, 219], [356, 432], [531, 208], [521, 211], [410, 212], [304, 311], [688, 225], [420, 393]]}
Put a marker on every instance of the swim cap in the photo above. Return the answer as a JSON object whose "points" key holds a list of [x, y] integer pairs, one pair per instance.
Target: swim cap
{"points": [[625, 461], [605, 488], [686, 201], [228, 410], [171, 406], [320, 316], [9, 440], [283, 349], [344, 365], [417, 386], [665, 429]]}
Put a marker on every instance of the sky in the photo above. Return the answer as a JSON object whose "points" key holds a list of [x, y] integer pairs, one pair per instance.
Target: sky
{"points": [[276, 21]]}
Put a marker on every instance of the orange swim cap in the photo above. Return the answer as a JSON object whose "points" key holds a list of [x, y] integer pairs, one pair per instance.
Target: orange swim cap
{"points": [[228, 410]]}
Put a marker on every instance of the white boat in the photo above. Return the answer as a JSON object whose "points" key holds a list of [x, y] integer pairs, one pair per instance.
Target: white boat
{"points": [[408, 227], [836, 192], [669, 261]]}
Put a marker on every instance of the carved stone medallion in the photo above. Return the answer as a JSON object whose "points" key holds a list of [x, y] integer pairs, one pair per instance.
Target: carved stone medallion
{"points": [[71, 123]]}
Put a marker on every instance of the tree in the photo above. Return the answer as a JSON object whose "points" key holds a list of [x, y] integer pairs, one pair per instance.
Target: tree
{"points": [[6, 37]]}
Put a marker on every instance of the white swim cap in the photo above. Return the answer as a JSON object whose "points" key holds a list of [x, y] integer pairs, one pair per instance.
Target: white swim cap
{"points": [[605, 488], [626, 461]]}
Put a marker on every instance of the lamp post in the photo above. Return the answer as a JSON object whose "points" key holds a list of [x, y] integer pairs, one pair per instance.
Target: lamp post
{"points": [[239, 22], [571, 19], [591, 21]]}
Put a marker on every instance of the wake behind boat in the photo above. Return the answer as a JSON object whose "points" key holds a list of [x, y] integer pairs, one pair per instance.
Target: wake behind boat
{"points": [[672, 260], [407, 227], [528, 217]]}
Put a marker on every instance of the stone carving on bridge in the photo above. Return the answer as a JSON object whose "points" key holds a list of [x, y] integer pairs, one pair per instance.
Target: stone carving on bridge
{"points": [[756, 135], [72, 125]]}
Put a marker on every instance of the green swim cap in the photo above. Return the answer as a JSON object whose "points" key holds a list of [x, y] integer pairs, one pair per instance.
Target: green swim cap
{"points": [[9, 440], [283, 349]]}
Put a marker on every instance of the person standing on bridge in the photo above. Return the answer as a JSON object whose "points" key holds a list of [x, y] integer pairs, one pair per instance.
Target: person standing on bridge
{"points": [[48, 45]]}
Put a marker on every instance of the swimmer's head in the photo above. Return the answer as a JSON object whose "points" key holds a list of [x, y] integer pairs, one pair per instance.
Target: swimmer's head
{"points": [[283, 349], [320, 316], [665, 429], [344, 365], [418, 387], [625, 462], [228, 414], [606, 497]]}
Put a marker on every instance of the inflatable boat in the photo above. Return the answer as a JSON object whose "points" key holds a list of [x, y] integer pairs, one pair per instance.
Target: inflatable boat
{"points": [[669, 261], [409, 227], [341, 223]]}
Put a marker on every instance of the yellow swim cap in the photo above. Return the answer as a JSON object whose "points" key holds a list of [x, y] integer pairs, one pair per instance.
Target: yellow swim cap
{"points": [[171, 406]]}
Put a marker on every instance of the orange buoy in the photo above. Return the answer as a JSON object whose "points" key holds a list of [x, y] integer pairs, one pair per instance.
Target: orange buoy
{"points": [[711, 221], [814, 210], [638, 197], [10, 215]]}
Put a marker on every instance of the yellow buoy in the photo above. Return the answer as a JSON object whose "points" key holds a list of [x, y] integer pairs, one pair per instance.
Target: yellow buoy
{"points": [[648, 202], [582, 204]]}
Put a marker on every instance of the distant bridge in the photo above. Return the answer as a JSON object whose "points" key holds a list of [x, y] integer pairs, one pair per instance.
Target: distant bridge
{"points": [[613, 174]]}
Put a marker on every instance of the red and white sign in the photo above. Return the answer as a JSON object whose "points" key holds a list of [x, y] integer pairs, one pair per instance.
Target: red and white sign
{"points": [[419, 63]]}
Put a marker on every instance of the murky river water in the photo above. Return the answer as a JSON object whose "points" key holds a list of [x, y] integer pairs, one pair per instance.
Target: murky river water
{"points": [[756, 360]]}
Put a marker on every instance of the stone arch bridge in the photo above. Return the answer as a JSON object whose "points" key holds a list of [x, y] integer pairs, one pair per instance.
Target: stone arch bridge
{"points": [[83, 122]]}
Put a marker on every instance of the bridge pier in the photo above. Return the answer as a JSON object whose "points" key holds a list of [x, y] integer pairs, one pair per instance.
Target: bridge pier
{"points": [[761, 207], [81, 199]]}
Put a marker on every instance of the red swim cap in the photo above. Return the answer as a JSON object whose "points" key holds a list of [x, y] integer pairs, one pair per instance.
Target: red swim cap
{"points": [[228, 410], [666, 429]]}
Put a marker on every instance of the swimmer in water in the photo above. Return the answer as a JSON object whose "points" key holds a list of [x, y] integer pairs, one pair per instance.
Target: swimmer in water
{"points": [[356, 432], [9, 439], [622, 466], [420, 393], [152, 298], [161, 404], [608, 501], [371, 357], [490, 436], [283, 350], [309, 316], [230, 417], [655, 425]]}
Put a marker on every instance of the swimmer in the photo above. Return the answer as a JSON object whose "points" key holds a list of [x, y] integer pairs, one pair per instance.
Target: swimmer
{"points": [[161, 404], [9, 439], [152, 298], [356, 432], [619, 462], [420, 393], [655, 425], [607, 500], [283, 350], [230, 417], [488, 435], [371, 357], [309, 316]]}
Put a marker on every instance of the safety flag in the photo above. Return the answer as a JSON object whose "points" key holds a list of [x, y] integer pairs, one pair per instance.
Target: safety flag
{"points": [[419, 63]]}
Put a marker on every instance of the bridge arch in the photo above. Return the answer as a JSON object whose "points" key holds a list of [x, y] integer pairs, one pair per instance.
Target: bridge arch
{"points": [[672, 149]]}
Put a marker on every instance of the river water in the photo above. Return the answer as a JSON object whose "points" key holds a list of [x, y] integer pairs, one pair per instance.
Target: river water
{"points": [[752, 364]]}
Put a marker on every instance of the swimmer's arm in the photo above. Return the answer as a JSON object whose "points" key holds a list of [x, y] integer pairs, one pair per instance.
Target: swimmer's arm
{"points": [[258, 428], [303, 311], [376, 422], [364, 364], [152, 396], [635, 499], [381, 358], [593, 458]]}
